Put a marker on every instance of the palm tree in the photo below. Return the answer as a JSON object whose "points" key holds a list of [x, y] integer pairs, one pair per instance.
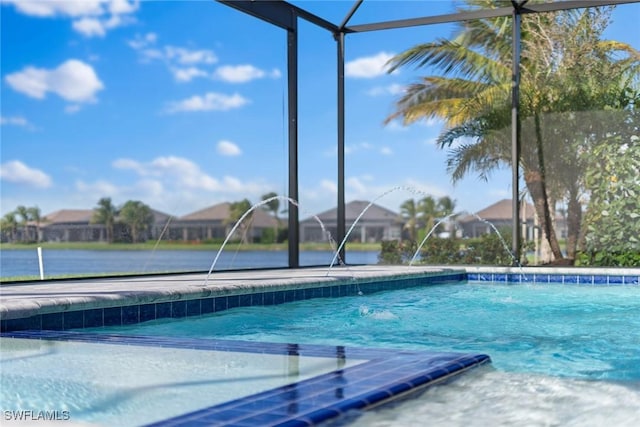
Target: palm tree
{"points": [[9, 224], [472, 96], [428, 212], [35, 216], [446, 208], [138, 217], [105, 213], [236, 211], [409, 212], [273, 206], [23, 212]]}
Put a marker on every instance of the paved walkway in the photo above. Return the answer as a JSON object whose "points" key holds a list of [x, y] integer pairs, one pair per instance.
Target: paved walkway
{"points": [[33, 298]]}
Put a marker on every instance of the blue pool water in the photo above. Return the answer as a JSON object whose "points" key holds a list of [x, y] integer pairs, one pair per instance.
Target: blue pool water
{"points": [[569, 331]]}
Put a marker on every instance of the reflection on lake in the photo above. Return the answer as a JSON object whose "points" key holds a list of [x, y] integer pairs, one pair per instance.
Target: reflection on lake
{"points": [[76, 262]]}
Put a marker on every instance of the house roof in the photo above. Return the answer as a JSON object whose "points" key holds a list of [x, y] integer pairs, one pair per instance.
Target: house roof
{"points": [[215, 212], [501, 210], [160, 217], [69, 215], [354, 208], [84, 216], [221, 212]]}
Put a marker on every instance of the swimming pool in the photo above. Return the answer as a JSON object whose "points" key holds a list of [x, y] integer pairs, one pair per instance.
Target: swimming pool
{"points": [[543, 373], [562, 354], [561, 330]]}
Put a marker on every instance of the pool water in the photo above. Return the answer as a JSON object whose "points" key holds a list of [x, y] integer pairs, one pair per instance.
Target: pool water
{"points": [[110, 384], [560, 330], [561, 354]]}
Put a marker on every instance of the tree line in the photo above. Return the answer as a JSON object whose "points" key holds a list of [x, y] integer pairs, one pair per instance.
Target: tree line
{"points": [[16, 221], [23, 224], [579, 124]]}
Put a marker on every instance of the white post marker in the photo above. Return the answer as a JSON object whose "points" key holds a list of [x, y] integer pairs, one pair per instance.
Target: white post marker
{"points": [[40, 263]]}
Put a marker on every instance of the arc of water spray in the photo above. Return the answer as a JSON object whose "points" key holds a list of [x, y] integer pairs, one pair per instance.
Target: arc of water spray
{"points": [[504, 244], [506, 247], [153, 251], [428, 235], [254, 207], [410, 189]]}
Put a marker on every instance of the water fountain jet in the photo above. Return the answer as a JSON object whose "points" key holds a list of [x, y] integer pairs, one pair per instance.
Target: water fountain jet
{"points": [[249, 211], [409, 189]]}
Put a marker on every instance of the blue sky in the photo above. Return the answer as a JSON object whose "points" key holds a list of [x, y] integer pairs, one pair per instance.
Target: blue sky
{"points": [[181, 104]]}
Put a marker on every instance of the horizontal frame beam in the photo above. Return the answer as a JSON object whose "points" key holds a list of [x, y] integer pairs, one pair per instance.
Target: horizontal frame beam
{"points": [[483, 14], [278, 12]]}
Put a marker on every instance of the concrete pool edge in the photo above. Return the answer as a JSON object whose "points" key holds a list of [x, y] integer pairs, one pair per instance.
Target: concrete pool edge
{"points": [[73, 304], [383, 376], [49, 299]]}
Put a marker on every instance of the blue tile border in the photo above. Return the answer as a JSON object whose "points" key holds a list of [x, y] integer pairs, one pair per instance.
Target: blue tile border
{"points": [[131, 314], [559, 279], [127, 315], [384, 375]]}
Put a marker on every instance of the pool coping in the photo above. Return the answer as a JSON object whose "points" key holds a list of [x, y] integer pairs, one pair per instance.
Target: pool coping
{"points": [[73, 304], [385, 375]]}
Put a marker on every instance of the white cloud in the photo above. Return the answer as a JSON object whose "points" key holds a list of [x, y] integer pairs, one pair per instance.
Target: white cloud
{"points": [[367, 188], [49, 9], [396, 126], [353, 148], [275, 74], [90, 27], [386, 151], [187, 173], [187, 56], [72, 80], [368, 67], [329, 186], [243, 73], [211, 101], [90, 17], [103, 188], [183, 63], [392, 89], [18, 173], [187, 74], [175, 56], [151, 187], [15, 121], [355, 185], [119, 7], [72, 109], [142, 41], [175, 183], [228, 148], [129, 164]]}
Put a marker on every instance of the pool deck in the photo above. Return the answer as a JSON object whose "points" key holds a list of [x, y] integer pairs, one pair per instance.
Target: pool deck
{"points": [[122, 300], [59, 310], [26, 299]]}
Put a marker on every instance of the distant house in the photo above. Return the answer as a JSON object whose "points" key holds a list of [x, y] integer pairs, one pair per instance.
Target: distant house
{"points": [[71, 225], [213, 223], [75, 225], [500, 215], [375, 225], [160, 225]]}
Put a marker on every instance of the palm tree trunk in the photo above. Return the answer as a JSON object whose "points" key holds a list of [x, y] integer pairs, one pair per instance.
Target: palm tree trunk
{"points": [[574, 218], [533, 179], [540, 196]]}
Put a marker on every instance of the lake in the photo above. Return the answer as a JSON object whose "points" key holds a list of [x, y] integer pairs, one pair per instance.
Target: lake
{"points": [[56, 262]]}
